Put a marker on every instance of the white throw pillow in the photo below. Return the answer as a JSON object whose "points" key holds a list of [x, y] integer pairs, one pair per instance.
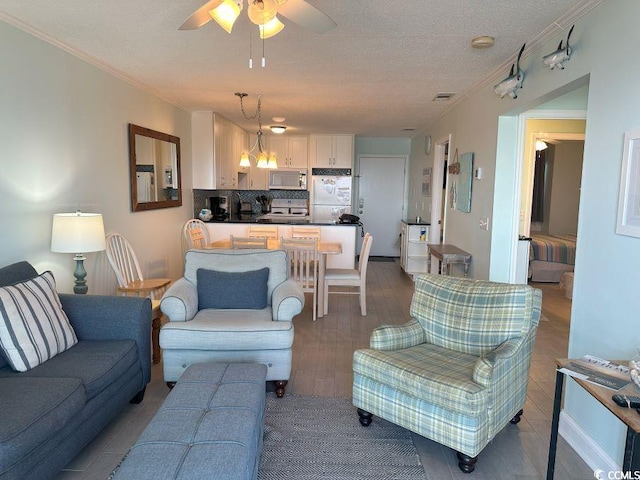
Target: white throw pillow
{"points": [[33, 326]]}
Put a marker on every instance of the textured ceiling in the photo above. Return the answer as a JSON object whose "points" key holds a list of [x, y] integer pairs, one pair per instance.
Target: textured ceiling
{"points": [[375, 74]]}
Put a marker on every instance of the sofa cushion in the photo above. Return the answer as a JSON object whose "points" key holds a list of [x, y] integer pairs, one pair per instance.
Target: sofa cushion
{"points": [[97, 364], [33, 326], [232, 289], [228, 329], [433, 374], [34, 410]]}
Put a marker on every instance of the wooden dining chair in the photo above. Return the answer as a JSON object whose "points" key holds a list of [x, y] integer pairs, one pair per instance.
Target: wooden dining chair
{"points": [[195, 234], [305, 232], [303, 256], [131, 282], [248, 242], [351, 278], [259, 231]]}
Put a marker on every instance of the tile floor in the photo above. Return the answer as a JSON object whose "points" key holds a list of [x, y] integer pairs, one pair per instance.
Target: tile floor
{"points": [[322, 366]]}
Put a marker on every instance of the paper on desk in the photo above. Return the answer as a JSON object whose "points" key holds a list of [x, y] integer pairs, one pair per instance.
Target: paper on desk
{"points": [[605, 373]]}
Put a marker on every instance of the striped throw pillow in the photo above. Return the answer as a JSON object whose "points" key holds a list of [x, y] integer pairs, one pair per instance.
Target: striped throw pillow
{"points": [[33, 326]]}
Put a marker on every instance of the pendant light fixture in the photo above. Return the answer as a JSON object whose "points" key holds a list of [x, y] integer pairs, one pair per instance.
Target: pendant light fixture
{"points": [[263, 160]]}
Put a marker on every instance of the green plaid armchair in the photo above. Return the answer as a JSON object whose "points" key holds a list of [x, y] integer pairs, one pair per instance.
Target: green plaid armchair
{"points": [[457, 372]]}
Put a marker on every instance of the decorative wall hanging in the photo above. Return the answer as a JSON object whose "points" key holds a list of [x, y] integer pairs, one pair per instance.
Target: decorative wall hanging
{"points": [[555, 59], [454, 167], [513, 82], [629, 200], [463, 201], [426, 182]]}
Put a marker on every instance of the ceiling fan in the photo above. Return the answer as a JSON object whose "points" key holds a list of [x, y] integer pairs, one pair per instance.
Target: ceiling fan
{"points": [[263, 13]]}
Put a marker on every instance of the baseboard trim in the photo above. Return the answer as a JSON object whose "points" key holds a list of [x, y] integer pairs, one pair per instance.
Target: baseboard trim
{"points": [[586, 448]]}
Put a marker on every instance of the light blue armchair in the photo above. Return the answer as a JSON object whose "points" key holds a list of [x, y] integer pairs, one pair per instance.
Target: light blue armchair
{"points": [[231, 306], [457, 372]]}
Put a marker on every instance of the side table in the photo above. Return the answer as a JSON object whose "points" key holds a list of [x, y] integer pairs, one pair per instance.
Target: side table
{"points": [[449, 254], [629, 416]]}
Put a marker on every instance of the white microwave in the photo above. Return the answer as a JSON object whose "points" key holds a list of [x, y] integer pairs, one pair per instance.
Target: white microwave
{"points": [[288, 179]]}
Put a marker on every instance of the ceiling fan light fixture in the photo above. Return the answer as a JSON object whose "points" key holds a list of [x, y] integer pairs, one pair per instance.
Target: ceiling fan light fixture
{"points": [[262, 11], [540, 145], [278, 129], [226, 14], [271, 28]]}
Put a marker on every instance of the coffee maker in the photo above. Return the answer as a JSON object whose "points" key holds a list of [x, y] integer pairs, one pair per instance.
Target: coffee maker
{"points": [[219, 207]]}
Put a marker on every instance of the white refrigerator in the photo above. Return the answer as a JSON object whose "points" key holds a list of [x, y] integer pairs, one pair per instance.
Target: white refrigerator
{"points": [[330, 197]]}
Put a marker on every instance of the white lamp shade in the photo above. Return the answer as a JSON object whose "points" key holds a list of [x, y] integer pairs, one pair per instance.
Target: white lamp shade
{"points": [[77, 233], [226, 14], [271, 28]]}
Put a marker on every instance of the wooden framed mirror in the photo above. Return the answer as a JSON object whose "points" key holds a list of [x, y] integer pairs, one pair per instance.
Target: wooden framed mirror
{"points": [[154, 167]]}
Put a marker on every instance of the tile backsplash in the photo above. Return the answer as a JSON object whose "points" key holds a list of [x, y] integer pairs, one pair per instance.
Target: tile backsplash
{"points": [[201, 197]]}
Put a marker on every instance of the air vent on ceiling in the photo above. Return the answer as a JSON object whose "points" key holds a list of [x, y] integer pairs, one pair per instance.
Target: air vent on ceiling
{"points": [[408, 129], [443, 96]]}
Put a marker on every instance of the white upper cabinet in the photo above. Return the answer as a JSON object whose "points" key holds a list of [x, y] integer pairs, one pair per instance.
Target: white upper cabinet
{"points": [[229, 141], [203, 165], [217, 145], [331, 151], [291, 151]]}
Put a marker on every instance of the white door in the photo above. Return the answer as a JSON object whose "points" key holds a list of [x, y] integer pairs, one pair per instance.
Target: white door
{"points": [[380, 205]]}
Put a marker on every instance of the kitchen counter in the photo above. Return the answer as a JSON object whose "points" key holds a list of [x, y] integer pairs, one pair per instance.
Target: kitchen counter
{"points": [[257, 218], [414, 222]]}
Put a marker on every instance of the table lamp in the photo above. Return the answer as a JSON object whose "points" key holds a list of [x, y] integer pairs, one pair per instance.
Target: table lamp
{"points": [[78, 233]]}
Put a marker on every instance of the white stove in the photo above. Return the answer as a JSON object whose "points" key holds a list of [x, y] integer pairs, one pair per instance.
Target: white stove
{"points": [[288, 208]]}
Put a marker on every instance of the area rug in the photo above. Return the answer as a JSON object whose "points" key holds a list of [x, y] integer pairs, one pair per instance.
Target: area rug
{"points": [[321, 439]]}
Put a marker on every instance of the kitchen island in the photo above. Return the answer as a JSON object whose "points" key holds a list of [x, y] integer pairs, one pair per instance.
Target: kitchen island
{"points": [[345, 234]]}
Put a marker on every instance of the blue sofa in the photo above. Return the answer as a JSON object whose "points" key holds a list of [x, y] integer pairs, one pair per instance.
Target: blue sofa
{"points": [[51, 412]]}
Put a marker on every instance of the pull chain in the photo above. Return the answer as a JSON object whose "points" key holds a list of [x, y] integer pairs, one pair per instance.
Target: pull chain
{"points": [[250, 51]]}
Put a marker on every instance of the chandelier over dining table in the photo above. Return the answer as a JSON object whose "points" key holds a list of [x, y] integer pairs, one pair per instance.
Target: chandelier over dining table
{"points": [[262, 158]]}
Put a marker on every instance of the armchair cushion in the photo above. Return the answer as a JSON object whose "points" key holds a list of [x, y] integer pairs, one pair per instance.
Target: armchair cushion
{"points": [[455, 313], [433, 374], [232, 289], [33, 326]]}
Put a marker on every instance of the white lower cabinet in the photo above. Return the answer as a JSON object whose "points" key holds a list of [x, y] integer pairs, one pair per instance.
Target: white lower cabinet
{"points": [[414, 249]]}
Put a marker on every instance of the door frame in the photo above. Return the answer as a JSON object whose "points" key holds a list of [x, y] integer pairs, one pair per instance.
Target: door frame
{"points": [[355, 207], [509, 274], [436, 200]]}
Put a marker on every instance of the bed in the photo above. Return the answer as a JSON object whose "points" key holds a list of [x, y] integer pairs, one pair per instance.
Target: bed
{"points": [[551, 256]]}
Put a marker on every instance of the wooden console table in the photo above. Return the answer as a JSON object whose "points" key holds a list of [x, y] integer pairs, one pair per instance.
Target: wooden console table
{"points": [[449, 254], [629, 416]]}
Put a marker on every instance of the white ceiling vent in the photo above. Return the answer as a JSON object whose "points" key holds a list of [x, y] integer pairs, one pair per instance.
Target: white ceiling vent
{"points": [[443, 97]]}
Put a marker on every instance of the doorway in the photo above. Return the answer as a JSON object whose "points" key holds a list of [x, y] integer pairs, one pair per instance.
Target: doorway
{"points": [[439, 196], [381, 202]]}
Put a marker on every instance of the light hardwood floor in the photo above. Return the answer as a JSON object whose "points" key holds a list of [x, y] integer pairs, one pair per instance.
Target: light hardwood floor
{"points": [[322, 356]]}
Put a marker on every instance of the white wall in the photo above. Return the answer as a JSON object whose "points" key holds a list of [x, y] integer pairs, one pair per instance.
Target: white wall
{"points": [[565, 187], [63, 131], [605, 296]]}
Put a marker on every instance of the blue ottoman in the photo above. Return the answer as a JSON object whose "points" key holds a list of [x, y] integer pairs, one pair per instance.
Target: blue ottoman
{"points": [[209, 426]]}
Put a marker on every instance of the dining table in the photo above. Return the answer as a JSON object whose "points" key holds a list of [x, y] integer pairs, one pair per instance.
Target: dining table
{"points": [[324, 249]]}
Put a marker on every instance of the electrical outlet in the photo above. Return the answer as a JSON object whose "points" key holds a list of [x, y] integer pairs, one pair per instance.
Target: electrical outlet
{"points": [[484, 223]]}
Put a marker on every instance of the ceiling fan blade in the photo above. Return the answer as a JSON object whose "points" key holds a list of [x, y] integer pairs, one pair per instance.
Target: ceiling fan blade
{"points": [[307, 16], [200, 16]]}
